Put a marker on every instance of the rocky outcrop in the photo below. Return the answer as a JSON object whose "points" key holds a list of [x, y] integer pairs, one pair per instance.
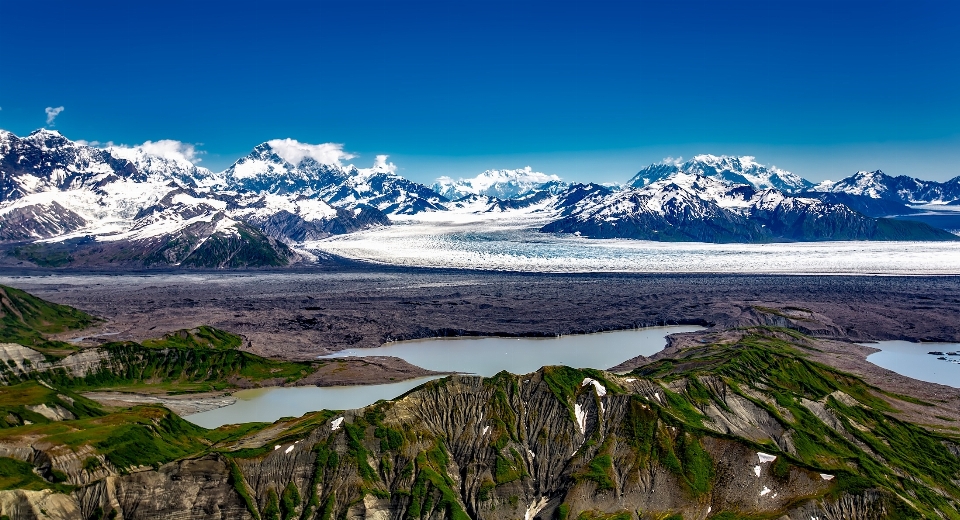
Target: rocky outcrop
{"points": [[38, 505], [198, 488], [21, 361]]}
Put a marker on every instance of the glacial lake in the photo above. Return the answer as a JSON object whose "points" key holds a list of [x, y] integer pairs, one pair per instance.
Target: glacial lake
{"points": [[912, 360], [480, 356]]}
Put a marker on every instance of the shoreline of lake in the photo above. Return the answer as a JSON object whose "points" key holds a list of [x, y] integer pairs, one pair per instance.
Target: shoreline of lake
{"points": [[477, 356]]}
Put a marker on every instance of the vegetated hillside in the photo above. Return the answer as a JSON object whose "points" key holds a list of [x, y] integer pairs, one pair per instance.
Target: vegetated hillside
{"points": [[24, 319], [184, 361], [194, 360], [743, 428]]}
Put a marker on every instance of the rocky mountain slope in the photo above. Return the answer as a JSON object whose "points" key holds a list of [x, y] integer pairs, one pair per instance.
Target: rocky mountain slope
{"points": [[727, 424], [686, 207]]}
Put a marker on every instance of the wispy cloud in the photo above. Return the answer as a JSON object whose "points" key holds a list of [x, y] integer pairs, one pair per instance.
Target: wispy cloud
{"points": [[380, 165], [169, 149], [294, 151], [52, 114]]}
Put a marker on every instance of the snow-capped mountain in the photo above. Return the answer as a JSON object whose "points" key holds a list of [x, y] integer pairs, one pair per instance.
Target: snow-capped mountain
{"points": [[45, 160], [663, 211], [734, 170], [65, 202], [285, 166], [500, 184], [904, 189], [151, 204], [534, 202], [685, 207], [163, 161]]}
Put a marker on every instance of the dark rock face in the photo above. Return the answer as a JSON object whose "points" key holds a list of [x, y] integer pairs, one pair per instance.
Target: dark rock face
{"points": [[38, 221], [569, 199], [864, 204], [698, 222], [197, 488], [293, 227]]}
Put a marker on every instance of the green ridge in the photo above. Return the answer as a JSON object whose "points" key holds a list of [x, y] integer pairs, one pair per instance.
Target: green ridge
{"points": [[25, 319]]}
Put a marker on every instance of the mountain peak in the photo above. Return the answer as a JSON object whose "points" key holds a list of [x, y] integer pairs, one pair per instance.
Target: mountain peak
{"points": [[45, 131], [48, 137], [294, 152], [742, 169], [503, 184]]}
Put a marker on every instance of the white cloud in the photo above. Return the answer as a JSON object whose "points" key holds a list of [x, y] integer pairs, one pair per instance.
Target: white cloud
{"points": [[674, 161], [381, 165], [52, 114], [293, 152], [170, 149], [96, 144]]}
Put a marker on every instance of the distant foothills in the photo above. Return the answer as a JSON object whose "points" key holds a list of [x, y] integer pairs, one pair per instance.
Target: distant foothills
{"points": [[67, 203]]}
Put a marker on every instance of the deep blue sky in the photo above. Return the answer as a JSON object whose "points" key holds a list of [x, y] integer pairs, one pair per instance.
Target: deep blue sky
{"points": [[587, 90]]}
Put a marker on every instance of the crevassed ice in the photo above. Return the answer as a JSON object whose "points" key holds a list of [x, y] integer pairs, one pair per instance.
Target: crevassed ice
{"points": [[482, 242]]}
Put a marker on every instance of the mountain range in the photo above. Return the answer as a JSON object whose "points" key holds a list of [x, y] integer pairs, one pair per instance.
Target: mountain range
{"points": [[65, 202], [501, 184], [733, 170]]}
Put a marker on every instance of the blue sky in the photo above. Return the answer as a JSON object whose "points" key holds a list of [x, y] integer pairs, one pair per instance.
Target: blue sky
{"points": [[591, 91]]}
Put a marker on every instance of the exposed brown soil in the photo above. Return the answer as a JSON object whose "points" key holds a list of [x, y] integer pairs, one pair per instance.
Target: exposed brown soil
{"points": [[365, 371], [302, 314]]}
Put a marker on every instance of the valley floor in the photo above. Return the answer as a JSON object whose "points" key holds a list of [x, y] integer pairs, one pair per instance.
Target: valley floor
{"points": [[302, 314], [306, 313]]}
